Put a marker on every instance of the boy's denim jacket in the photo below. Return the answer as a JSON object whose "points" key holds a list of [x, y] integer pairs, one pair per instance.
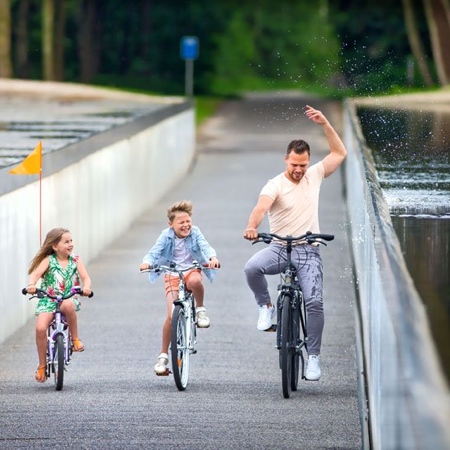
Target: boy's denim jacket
{"points": [[162, 251]]}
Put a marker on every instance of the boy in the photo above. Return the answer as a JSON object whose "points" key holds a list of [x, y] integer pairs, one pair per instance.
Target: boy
{"points": [[181, 243]]}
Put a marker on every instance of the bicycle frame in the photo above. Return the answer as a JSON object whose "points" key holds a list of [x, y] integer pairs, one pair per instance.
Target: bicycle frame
{"points": [[187, 302], [57, 327], [291, 287]]}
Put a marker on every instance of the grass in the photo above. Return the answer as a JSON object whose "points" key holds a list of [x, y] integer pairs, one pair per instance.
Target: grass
{"points": [[206, 106]]}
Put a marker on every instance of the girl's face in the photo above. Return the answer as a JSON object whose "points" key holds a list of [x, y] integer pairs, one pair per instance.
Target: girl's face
{"points": [[181, 224], [64, 247]]}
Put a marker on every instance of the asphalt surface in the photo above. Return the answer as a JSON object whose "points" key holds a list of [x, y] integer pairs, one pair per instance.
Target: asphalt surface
{"points": [[111, 397]]}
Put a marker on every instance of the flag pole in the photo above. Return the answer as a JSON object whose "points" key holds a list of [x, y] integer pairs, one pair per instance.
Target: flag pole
{"points": [[40, 193], [32, 165], [40, 205]]}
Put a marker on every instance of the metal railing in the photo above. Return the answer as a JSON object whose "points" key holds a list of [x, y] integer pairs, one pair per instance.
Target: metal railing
{"points": [[408, 398]]}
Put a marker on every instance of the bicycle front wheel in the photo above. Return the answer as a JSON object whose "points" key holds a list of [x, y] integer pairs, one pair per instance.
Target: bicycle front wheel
{"points": [[58, 362], [296, 350], [179, 348], [287, 349]]}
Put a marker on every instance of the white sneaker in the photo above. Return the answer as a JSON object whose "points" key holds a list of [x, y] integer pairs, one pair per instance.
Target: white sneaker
{"points": [[161, 366], [265, 317], [313, 369], [202, 319]]}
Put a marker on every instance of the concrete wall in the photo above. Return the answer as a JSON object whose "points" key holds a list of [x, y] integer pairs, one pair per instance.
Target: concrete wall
{"points": [[96, 188], [408, 400]]}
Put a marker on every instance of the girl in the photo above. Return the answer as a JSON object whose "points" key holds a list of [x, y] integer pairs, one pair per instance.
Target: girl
{"points": [[59, 271]]}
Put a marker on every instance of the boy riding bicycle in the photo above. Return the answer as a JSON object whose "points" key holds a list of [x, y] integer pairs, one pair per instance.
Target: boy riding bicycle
{"points": [[181, 243]]}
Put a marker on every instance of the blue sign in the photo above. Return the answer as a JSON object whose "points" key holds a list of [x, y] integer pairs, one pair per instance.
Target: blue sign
{"points": [[189, 47]]}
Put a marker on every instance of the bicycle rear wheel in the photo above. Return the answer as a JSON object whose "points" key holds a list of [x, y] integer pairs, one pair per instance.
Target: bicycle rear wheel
{"points": [[179, 348], [58, 362], [286, 349]]}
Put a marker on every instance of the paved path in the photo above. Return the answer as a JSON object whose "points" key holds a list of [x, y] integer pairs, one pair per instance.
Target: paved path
{"points": [[111, 398]]}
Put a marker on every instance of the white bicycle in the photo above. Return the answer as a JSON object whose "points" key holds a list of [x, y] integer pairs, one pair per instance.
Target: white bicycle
{"points": [[183, 326]]}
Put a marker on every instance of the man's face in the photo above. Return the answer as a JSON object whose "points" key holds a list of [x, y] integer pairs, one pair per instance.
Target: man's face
{"points": [[296, 166]]}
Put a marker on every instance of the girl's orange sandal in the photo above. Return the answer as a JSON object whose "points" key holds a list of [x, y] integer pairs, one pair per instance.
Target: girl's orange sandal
{"points": [[77, 345], [40, 375]]}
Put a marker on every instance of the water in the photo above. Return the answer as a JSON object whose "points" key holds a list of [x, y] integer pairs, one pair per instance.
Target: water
{"points": [[26, 121], [425, 242], [411, 150]]}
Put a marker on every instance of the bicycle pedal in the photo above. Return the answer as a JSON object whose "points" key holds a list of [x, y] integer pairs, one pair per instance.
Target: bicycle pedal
{"points": [[272, 328]]}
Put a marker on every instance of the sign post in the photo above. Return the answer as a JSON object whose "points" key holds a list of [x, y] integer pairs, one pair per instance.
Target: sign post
{"points": [[189, 52]]}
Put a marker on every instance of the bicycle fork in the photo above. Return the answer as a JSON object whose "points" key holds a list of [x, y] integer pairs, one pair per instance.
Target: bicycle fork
{"points": [[57, 328], [297, 319], [186, 303]]}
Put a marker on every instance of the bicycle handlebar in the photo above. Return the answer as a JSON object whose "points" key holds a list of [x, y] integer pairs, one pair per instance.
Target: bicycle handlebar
{"points": [[40, 293], [172, 267], [308, 238]]}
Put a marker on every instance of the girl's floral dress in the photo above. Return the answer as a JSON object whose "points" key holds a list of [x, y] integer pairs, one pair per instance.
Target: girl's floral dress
{"points": [[57, 280]]}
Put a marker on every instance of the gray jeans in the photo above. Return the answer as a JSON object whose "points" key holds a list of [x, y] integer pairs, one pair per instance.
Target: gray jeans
{"points": [[308, 262]]}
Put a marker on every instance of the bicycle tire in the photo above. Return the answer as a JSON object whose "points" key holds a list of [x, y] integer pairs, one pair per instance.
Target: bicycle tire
{"points": [[286, 345], [303, 337], [179, 348], [295, 363], [58, 362]]}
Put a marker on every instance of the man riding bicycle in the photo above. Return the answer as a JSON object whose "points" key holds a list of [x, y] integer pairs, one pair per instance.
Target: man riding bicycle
{"points": [[291, 200]]}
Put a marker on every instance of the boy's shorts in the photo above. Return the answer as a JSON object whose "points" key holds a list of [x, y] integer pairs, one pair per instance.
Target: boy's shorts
{"points": [[173, 281]]}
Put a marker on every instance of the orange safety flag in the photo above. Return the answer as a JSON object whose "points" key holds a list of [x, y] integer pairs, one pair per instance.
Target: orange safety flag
{"points": [[32, 164]]}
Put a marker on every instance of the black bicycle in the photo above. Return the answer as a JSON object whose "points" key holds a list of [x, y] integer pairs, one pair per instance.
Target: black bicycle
{"points": [[292, 338]]}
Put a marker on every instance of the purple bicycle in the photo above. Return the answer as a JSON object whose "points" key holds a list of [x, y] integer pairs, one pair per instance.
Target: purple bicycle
{"points": [[59, 338]]}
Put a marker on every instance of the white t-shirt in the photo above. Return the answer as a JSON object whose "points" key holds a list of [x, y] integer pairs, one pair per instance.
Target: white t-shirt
{"points": [[296, 206], [181, 254]]}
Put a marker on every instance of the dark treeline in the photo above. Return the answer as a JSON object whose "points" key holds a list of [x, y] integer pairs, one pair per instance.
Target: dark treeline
{"points": [[337, 47]]}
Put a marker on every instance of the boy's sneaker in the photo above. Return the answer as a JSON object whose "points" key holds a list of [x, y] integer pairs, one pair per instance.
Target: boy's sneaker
{"points": [[202, 319], [265, 317], [161, 367], [313, 369]]}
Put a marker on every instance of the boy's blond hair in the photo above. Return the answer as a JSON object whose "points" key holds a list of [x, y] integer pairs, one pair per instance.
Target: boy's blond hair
{"points": [[185, 206]]}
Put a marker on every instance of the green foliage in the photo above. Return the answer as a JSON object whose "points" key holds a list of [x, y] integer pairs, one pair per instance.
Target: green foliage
{"points": [[335, 48], [374, 45], [267, 47]]}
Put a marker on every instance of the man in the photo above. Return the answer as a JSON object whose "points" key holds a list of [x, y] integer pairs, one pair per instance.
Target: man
{"points": [[291, 200]]}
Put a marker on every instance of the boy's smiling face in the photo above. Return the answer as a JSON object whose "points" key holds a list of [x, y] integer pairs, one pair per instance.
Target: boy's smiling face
{"points": [[181, 224]]}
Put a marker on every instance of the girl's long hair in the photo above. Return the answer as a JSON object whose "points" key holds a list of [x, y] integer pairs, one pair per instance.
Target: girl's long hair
{"points": [[52, 238]]}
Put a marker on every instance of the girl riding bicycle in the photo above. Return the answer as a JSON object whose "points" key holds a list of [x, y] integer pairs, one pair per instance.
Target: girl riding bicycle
{"points": [[180, 243], [59, 270]]}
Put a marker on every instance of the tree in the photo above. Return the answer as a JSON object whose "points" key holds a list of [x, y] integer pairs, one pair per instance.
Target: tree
{"points": [[438, 18], [48, 36], [59, 34], [89, 34], [5, 39], [415, 42]]}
